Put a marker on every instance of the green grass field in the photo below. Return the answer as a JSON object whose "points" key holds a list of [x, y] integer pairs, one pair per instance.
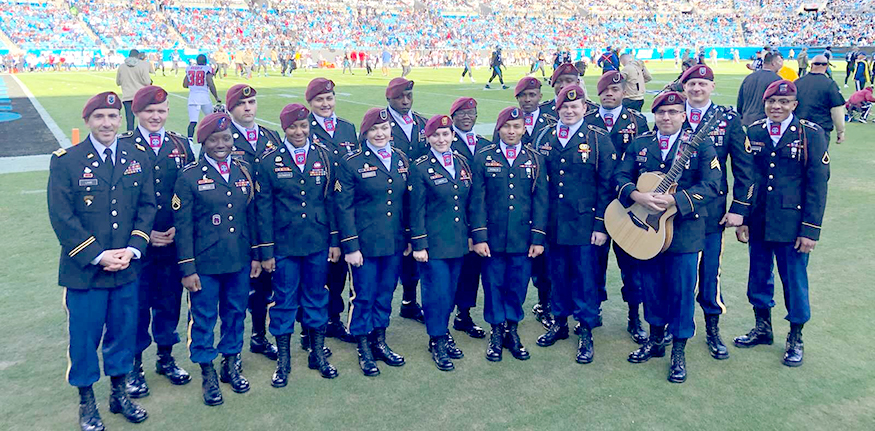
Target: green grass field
{"points": [[835, 389]]}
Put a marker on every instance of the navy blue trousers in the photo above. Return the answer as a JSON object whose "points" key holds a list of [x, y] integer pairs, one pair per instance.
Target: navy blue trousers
{"points": [[469, 281], [541, 278], [222, 296], [95, 315], [575, 292], [373, 285], [793, 270], [631, 289], [710, 298], [669, 282], [439, 278], [337, 272], [505, 282], [299, 283], [160, 298]]}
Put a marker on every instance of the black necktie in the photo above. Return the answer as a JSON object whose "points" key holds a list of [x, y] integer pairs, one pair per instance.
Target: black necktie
{"points": [[110, 163]]}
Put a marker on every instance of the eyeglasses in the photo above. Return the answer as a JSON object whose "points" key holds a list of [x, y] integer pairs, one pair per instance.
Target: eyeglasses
{"points": [[463, 114], [669, 112], [819, 64]]}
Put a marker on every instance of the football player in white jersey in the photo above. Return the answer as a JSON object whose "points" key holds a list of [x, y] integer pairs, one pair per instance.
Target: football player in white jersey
{"points": [[199, 81]]}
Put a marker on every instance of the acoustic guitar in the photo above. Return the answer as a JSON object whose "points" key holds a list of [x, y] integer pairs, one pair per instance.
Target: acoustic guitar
{"points": [[644, 233]]}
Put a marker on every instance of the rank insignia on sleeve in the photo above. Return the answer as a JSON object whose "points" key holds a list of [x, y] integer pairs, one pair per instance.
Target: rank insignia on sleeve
{"points": [[337, 187], [176, 203], [715, 164], [825, 158]]}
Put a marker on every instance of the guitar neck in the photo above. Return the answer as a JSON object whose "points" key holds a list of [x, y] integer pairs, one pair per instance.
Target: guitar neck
{"points": [[677, 167]]}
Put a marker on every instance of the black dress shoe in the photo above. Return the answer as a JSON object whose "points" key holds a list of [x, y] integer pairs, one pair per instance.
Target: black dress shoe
{"points": [[411, 310], [634, 327], [585, 349], [464, 323], [210, 385], [89, 416], [495, 346], [280, 377], [678, 371], [557, 331], [136, 380], [712, 339], [317, 360], [512, 342], [438, 348], [120, 403], [453, 351], [166, 366], [382, 351], [336, 329], [542, 313], [794, 348], [652, 348], [366, 357], [231, 375], [761, 332], [260, 344]]}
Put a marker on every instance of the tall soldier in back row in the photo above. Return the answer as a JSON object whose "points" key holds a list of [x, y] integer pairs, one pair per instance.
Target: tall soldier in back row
{"points": [[408, 136], [250, 142], [791, 173], [101, 205], [728, 139], [160, 290]]}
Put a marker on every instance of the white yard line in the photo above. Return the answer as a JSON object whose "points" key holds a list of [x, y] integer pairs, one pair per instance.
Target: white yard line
{"points": [[50, 122]]}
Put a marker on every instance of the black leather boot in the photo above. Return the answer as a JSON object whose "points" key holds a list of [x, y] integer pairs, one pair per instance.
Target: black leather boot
{"points": [[793, 355], [652, 348], [585, 349], [336, 329], [496, 340], [412, 310], [463, 322], [634, 327], [136, 379], [667, 337], [166, 366], [231, 374], [316, 360], [513, 343], [260, 344], [306, 343], [366, 357], [712, 332], [283, 361], [89, 416], [453, 351], [761, 332], [677, 373], [542, 312], [120, 403], [438, 348], [210, 385], [382, 351], [557, 331]]}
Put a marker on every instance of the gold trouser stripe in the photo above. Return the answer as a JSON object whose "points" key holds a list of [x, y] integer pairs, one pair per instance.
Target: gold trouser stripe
{"points": [[696, 290], [69, 359], [141, 234], [719, 271], [352, 296], [82, 246], [190, 322]]}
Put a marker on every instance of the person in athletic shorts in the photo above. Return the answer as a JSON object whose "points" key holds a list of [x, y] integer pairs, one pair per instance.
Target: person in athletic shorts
{"points": [[199, 81]]}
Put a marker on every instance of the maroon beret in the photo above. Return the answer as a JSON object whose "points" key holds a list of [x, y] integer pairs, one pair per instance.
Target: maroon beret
{"points": [[237, 92], [780, 88], [569, 94], [507, 114], [106, 100], [609, 78], [698, 71], [463, 103], [437, 122], [216, 122], [668, 98], [318, 86], [397, 86], [527, 83], [148, 95], [563, 69], [291, 113], [373, 117]]}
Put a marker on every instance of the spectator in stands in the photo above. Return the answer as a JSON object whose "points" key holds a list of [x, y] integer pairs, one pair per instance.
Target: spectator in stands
{"points": [[820, 100], [131, 76]]}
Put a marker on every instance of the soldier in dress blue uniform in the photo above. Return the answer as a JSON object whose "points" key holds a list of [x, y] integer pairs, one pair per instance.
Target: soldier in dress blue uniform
{"points": [[528, 96], [791, 170], [251, 140], [508, 218], [579, 160], [408, 135], [160, 291], [623, 126], [298, 237], [371, 200], [466, 142], [339, 136], [669, 280], [214, 215], [728, 139], [101, 205], [440, 184]]}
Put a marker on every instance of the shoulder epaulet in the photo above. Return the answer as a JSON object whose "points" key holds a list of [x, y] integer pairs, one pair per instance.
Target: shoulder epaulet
{"points": [[140, 147], [417, 114], [590, 112], [530, 147], [421, 159], [317, 142], [808, 124], [127, 134], [59, 152], [758, 122], [268, 151], [353, 154], [401, 154], [344, 120], [648, 134], [459, 155], [189, 166], [636, 113], [487, 148], [597, 129], [175, 135], [240, 161]]}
